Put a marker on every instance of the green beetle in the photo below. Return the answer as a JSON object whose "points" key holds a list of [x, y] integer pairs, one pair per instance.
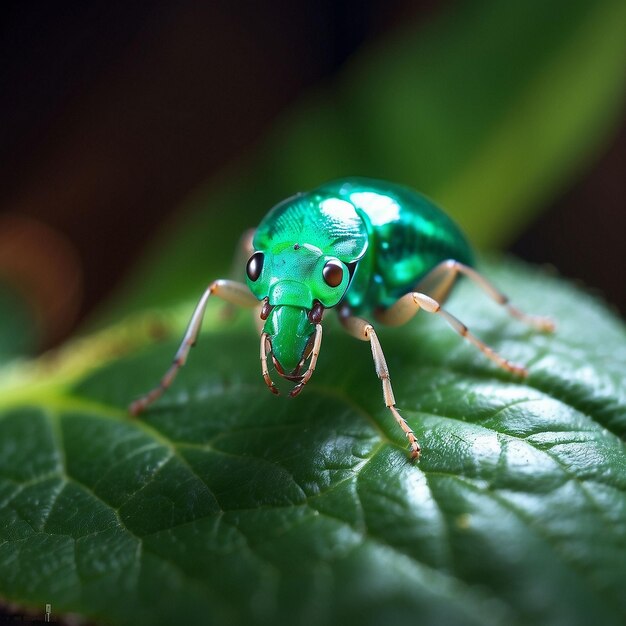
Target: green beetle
{"points": [[369, 249]]}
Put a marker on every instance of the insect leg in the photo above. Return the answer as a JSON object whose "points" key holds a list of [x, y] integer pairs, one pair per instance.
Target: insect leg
{"points": [[440, 280], [408, 305], [232, 292], [363, 330]]}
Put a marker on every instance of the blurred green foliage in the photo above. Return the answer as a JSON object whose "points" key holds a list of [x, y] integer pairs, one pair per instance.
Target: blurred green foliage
{"points": [[17, 325], [489, 109]]}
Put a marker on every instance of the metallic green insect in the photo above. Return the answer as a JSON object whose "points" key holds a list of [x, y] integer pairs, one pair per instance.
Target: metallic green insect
{"points": [[370, 249]]}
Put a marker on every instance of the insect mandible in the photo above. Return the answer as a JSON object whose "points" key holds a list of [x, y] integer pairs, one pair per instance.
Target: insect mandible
{"points": [[369, 249]]}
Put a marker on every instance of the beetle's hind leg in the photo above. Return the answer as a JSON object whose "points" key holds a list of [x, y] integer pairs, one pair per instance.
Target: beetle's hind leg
{"points": [[439, 281], [362, 329], [408, 305], [228, 290]]}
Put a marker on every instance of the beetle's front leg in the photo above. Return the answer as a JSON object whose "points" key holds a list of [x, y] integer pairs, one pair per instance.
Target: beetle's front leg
{"points": [[228, 290], [363, 330]]}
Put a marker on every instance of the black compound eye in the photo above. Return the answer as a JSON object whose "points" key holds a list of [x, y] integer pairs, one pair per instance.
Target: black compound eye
{"points": [[255, 266], [333, 273]]}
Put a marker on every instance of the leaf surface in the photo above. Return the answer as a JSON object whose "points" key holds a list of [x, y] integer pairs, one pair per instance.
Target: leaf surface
{"points": [[227, 505]]}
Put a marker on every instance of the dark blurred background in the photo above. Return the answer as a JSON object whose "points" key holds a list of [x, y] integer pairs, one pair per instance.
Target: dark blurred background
{"points": [[114, 111]]}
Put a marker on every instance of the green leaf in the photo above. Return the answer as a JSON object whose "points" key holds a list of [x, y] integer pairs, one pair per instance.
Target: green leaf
{"points": [[490, 109], [227, 505]]}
